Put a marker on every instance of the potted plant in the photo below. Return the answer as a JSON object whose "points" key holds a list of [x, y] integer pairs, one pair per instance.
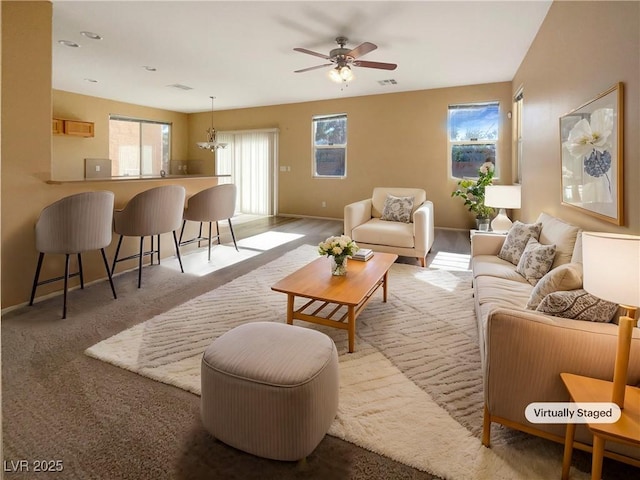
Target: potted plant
{"points": [[472, 192]]}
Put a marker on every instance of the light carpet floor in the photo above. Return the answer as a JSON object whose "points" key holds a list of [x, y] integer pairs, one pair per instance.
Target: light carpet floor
{"points": [[412, 391]]}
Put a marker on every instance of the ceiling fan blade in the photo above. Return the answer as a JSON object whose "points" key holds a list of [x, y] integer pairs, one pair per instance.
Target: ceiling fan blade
{"points": [[380, 65], [362, 49], [304, 50], [313, 68]]}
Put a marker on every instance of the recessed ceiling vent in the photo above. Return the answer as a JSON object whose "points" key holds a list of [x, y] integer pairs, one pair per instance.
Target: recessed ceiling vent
{"points": [[180, 87], [390, 81]]}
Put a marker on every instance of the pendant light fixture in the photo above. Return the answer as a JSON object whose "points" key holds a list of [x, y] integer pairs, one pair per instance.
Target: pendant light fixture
{"points": [[211, 144]]}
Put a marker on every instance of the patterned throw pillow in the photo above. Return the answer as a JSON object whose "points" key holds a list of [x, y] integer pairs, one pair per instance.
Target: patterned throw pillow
{"points": [[517, 239], [564, 277], [579, 305], [397, 209], [536, 260]]}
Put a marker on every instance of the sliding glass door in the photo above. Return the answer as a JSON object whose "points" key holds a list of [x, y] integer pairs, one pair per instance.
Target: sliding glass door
{"points": [[250, 158]]}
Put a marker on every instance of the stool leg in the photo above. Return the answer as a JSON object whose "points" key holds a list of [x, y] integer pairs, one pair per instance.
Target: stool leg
{"points": [[158, 251], [115, 259], [153, 250], [199, 234], [35, 279], [66, 285], [233, 236], [184, 222], [140, 260], [218, 232], [175, 240], [106, 266], [80, 271], [209, 257]]}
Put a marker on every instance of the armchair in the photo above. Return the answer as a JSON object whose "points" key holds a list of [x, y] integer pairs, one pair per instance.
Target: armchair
{"points": [[363, 224]]}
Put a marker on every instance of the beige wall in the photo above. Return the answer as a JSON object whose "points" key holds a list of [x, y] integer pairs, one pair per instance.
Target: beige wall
{"points": [[581, 50], [69, 152], [393, 140]]}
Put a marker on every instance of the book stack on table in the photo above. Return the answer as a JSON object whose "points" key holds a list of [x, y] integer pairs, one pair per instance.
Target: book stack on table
{"points": [[363, 254]]}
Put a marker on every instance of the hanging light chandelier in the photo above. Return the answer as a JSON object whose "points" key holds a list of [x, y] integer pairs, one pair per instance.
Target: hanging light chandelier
{"points": [[212, 143]]}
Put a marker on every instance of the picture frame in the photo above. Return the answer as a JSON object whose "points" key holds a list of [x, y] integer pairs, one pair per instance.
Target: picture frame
{"points": [[591, 152]]}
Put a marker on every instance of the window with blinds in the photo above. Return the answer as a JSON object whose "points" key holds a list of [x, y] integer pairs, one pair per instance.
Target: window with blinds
{"points": [[473, 137], [329, 146], [138, 147]]}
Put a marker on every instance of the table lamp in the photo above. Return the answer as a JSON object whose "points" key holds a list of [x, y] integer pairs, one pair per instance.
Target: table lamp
{"points": [[611, 266], [502, 197]]}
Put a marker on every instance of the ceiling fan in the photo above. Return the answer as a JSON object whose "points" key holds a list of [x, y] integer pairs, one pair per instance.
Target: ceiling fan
{"points": [[345, 58]]}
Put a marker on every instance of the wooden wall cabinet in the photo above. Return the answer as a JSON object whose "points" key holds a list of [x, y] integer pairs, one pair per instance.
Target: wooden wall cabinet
{"points": [[72, 127], [57, 126]]}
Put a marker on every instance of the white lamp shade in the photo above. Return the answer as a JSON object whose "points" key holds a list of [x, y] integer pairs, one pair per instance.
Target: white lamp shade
{"points": [[611, 265], [502, 196]]}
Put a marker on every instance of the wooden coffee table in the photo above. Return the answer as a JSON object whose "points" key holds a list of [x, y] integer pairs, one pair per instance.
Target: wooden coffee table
{"points": [[330, 295]]}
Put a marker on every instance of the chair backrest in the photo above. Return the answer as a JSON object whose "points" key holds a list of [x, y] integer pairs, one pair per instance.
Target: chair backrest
{"points": [[152, 212], [75, 224], [212, 204], [380, 195]]}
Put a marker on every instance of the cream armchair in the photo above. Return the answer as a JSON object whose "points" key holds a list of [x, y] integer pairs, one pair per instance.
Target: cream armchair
{"points": [[363, 224]]}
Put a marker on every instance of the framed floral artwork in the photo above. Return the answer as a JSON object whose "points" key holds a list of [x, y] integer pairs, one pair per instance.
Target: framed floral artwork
{"points": [[591, 153]]}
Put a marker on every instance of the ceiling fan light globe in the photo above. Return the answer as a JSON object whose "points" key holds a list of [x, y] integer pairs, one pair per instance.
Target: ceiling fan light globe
{"points": [[346, 74], [334, 75]]}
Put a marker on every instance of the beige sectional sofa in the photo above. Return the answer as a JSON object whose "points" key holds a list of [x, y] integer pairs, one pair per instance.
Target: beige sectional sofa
{"points": [[524, 351]]}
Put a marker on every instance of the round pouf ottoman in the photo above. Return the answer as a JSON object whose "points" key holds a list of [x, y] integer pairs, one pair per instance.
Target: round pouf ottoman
{"points": [[270, 389]]}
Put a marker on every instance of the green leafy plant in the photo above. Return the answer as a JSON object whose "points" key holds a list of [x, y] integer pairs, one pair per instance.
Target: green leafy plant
{"points": [[472, 191]]}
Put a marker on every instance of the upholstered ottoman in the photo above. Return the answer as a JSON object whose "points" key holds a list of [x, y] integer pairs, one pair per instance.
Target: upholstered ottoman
{"points": [[270, 389]]}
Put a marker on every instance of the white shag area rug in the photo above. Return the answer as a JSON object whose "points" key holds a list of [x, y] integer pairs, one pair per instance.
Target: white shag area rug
{"points": [[412, 390]]}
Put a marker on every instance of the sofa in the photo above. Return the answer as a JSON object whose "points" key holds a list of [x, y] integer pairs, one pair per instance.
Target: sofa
{"points": [[364, 222], [524, 350]]}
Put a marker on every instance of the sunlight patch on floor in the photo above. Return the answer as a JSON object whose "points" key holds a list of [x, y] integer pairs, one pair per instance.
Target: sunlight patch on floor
{"points": [[268, 240], [451, 261], [196, 262]]}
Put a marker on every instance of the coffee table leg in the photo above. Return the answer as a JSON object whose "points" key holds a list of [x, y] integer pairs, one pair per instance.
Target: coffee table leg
{"points": [[352, 328], [384, 286], [290, 299]]}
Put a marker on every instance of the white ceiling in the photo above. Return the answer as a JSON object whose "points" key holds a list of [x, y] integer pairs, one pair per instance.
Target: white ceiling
{"points": [[241, 52]]}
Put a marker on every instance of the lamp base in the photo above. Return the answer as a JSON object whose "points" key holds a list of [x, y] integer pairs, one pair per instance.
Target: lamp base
{"points": [[501, 223]]}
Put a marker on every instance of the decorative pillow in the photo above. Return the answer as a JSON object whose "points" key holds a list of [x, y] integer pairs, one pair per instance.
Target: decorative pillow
{"points": [[517, 239], [562, 278], [397, 209], [579, 305], [536, 260]]}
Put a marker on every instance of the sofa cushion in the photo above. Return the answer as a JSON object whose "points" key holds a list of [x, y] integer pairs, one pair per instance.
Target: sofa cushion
{"points": [[536, 260], [579, 305], [502, 292], [397, 209], [565, 277], [380, 232], [562, 234], [379, 196], [495, 267], [517, 239]]}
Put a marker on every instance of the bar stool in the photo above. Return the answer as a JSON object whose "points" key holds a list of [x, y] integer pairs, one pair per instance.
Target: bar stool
{"points": [[150, 213], [211, 205], [73, 225]]}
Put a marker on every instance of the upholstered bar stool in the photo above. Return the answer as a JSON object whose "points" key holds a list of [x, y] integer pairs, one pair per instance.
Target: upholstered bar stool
{"points": [[211, 205], [148, 214], [74, 225]]}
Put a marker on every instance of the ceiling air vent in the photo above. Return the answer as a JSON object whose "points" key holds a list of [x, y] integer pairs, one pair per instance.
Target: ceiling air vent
{"points": [[180, 87], [390, 81]]}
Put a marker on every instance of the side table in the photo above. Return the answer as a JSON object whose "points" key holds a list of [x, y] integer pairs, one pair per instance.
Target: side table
{"points": [[625, 430], [473, 232]]}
